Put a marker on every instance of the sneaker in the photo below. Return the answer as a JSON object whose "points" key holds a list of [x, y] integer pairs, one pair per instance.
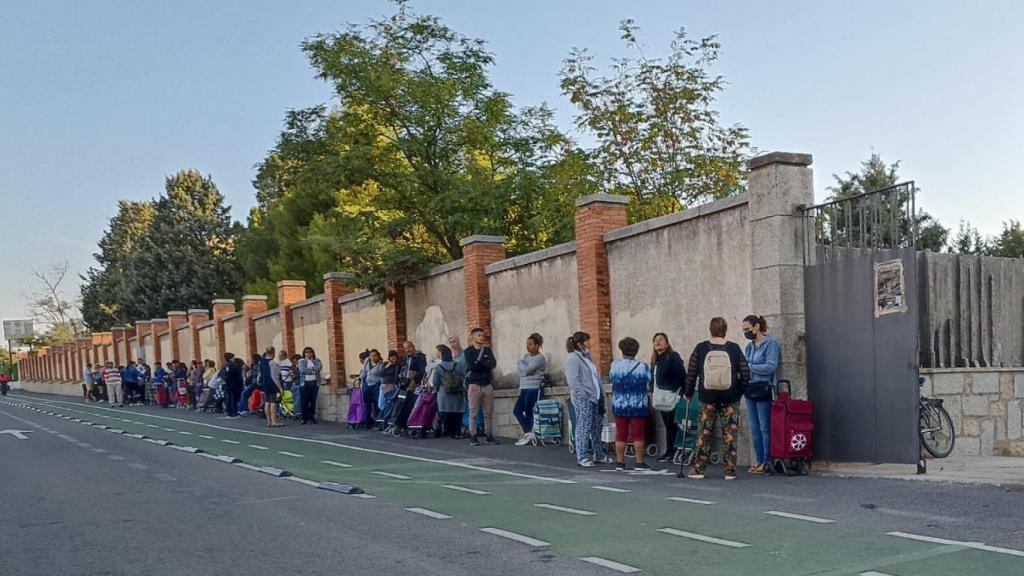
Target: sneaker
{"points": [[694, 475], [730, 475], [664, 458], [644, 467], [620, 466], [586, 464], [474, 440], [605, 460], [492, 440], [524, 440]]}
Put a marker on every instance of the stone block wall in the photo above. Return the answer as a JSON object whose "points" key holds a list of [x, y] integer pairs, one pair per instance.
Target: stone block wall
{"points": [[987, 407]]}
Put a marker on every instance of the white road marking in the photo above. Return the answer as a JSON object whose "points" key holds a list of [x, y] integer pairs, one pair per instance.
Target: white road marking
{"points": [[873, 573], [258, 447], [230, 441], [972, 545], [464, 489], [99, 450], [575, 511], [115, 457], [85, 445], [703, 538], [791, 516], [185, 433], [610, 489], [611, 565], [390, 475], [206, 437], [364, 496], [53, 432], [453, 464], [333, 463], [303, 481], [429, 513], [169, 429], [292, 454], [66, 437], [690, 500], [152, 425], [165, 477], [138, 466], [517, 537]]}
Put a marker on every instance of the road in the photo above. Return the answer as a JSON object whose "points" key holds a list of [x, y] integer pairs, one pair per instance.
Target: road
{"points": [[80, 497]]}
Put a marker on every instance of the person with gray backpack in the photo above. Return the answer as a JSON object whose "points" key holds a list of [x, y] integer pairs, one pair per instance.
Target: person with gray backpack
{"points": [[718, 373], [450, 386]]}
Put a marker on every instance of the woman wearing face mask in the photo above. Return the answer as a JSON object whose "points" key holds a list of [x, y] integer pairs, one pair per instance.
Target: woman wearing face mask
{"points": [[763, 357], [585, 391]]}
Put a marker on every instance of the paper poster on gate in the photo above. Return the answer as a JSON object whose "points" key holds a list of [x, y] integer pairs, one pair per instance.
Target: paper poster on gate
{"points": [[890, 293]]}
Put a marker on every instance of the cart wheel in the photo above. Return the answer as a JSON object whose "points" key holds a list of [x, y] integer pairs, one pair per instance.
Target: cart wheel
{"points": [[769, 468], [630, 451], [652, 450], [677, 457], [556, 442], [572, 448], [715, 458], [802, 468]]}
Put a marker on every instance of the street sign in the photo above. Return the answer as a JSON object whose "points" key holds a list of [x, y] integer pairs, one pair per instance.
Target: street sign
{"points": [[19, 434], [17, 329]]}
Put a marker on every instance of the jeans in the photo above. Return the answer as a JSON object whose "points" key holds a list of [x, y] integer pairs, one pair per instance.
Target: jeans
{"points": [[243, 402], [588, 432], [371, 397], [231, 401], [669, 420], [759, 413], [309, 394], [297, 401], [523, 410]]}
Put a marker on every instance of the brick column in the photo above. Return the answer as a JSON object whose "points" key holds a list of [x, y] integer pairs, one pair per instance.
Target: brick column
{"points": [[221, 308], [477, 252], [58, 364], [252, 304], [778, 184], [289, 292], [394, 308], [175, 320], [117, 335], [65, 368], [44, 362], [197, 316], [157, 326], [84, 345], [597, 215], [336, 285]]}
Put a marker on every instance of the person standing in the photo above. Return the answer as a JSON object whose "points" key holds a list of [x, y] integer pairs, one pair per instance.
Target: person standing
{"points": [[88, 383], [112, 378], [287, 370], [669, 378], [252, 382], [145, 382], [762, 356], [233, 374], [130, 382], [718, 373], [585, 392], [480, 363], [310, 368], [371, 389], [270, 380], [531, 378], [451, 393], [630, 378]]}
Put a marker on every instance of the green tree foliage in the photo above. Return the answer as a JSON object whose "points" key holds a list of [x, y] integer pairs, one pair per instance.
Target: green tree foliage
{"points": [[1010, 242], [420, 152], [659, 138], [876, 174], [968, 240]]}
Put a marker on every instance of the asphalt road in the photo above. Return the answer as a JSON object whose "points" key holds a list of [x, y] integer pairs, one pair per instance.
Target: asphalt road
{"points": [[79, 499]]}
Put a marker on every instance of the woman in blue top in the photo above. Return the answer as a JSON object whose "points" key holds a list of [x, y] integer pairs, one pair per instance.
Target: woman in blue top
{"points": [[630, 378], [763, 357]]}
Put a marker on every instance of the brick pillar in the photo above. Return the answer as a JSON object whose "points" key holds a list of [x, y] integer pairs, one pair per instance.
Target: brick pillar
{"points": [[597, 215], [477, 252], [197, 316], [778, 184], [289, 292], [394, 308], [58, 365], [175, 320], [65, 369], [157, 327], [84, 346], [221, 308], [142, 329], [336, 285], [252, 304], [44, 362]]}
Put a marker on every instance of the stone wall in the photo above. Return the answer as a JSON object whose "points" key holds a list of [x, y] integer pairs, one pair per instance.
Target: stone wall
{"points": [[268, 331], [311, 329], [234, 336], [987, 406], [184, 336], [208, 343], [435, 307], [365, 326]]}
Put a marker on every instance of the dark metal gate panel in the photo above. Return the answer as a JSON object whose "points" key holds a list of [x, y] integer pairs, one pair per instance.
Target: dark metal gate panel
{"points": [[862, 369]]}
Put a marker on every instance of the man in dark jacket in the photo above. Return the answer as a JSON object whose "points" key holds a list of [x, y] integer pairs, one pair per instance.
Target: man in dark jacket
{"points": [[480, 364], [718, 373], [233, 376]]}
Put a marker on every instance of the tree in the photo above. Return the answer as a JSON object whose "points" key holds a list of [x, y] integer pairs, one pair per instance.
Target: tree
{"points": [[968, 241], [876, 174], [420, 152], [1010, 242], [659, 138], [54, 316], [186, 257]]}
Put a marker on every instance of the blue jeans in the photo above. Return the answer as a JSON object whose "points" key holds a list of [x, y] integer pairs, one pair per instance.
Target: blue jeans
{"points": [[523, 410], [759, 412], [243, 402]]}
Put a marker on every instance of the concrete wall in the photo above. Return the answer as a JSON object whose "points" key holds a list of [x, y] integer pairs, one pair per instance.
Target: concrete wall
{"points": [[268, 331], [184, 336], [165, 348], [133, 349], [234, 336], [673, 274], [987, 407], [533, 293], [435, 308], [972, 310], [148, 349], [365, 325], [208, 344], [311, 330]]}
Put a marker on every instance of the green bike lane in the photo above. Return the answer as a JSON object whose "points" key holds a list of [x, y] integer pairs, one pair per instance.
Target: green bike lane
{"points": [[622, 527]]}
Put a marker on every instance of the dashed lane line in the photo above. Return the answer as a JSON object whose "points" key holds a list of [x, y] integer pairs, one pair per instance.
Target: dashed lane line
{"points": [[873, 573], [115, 457], [333, 463], [458, 488], [611, 565], [230, 441], [972, 545], [429, 513], [165, 477], [292, 454], [258, 447], [390, 475], [99, 450], [184, 432], [152, 425], [611, 489], [690, 500], [517, 537], [138, 466], [575, 511], [703, 538], [792, 516], [207, 437]]}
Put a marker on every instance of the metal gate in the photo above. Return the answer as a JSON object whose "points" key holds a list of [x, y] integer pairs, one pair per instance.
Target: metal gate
{"points": [[861, 306]]}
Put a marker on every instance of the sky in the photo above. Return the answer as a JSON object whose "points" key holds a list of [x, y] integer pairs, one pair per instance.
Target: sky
{"points": [[101, 100]]}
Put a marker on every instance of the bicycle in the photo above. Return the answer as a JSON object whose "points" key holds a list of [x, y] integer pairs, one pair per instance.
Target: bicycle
{"points": [[935, 427]]}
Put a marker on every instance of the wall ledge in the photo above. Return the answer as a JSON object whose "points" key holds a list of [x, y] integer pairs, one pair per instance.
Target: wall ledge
{"points": [[355, 296], [531, 258], [266, 314], [970, 370], [677, 217], [308, 301]]}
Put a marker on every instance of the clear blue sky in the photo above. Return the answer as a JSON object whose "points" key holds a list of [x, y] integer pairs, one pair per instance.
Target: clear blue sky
{"points": [[100, 100]]}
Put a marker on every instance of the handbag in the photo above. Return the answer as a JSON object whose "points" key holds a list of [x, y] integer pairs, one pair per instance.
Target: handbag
{"points": [[663, 400], [758, 391]]}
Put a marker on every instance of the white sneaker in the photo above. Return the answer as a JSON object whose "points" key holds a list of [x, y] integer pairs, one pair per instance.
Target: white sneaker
{"points": [[524, 440]]}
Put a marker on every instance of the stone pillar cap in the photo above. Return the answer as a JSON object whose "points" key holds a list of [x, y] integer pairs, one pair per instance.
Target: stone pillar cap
{"points": [[117, 329], [792, 158], [198, 311], [601, 199], [254, 297], [159, 320], [482, 239], [339, 276], [284, 283], [177, 313], [224, 301]]}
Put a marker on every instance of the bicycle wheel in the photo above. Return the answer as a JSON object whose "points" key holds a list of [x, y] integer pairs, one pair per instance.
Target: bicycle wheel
{"points": [[937, 433]]}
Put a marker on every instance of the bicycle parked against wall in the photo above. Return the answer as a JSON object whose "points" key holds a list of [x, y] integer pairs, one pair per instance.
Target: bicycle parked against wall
{"points": [[936, 427]]}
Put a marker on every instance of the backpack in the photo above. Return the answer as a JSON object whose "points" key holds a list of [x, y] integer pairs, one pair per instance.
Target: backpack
{"points": [[452, 381], [718, 370]]}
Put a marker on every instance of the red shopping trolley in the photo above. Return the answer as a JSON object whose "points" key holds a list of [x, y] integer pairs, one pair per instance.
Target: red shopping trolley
{"points": [[792, 433]]}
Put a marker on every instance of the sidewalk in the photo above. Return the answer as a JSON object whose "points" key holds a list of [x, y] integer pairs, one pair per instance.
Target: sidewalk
{"points": [[1002, 471]]}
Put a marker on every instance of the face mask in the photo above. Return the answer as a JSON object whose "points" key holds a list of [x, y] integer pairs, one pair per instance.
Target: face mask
{"points": [[749, 334]]}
